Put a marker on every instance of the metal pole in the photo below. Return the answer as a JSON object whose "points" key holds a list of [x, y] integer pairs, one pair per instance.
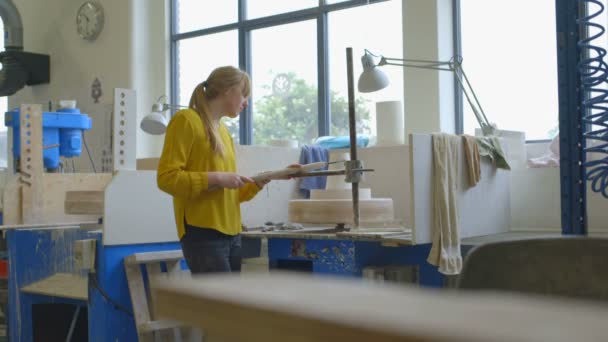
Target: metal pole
{"points": [[572, 174], [353, 131]]}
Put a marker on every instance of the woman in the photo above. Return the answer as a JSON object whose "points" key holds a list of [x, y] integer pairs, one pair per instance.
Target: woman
{"points": [[197, 167]]}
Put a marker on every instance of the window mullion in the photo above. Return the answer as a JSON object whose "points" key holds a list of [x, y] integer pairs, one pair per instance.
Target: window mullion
{"points": [[324, 105]]}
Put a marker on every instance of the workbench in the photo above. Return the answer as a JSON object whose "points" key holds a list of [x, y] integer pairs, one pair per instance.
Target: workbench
{"points": [[44, 281], [322, 250]]}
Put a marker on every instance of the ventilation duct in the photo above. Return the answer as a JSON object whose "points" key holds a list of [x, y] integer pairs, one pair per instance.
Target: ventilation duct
{"points": [[19, 68]]}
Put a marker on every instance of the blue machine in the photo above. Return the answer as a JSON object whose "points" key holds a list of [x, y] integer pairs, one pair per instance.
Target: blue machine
{"points": [[61, 131]]}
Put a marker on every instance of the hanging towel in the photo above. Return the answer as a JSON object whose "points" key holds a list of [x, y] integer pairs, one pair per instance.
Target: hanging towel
{"points": [[445, 250], [312, 154], [473, 162]]}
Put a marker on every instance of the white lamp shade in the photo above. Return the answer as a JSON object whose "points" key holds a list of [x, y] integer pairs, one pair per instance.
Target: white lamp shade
{"points": [[372, 80], [155, 123]]}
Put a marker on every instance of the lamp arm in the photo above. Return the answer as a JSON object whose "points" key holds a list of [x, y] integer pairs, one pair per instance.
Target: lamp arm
{"points": [[455, 66], [473, 101], [417, 63]]}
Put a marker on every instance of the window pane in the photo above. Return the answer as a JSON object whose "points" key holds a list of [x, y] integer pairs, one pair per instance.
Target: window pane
{"points": [[195, 15], [514, 73], [263, 8], [285, 83], [382, 35], [197, 57]]}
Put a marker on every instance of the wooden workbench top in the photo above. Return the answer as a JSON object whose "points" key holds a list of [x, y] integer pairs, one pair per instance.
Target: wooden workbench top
{"points": [[281, 307], [390, 236]]}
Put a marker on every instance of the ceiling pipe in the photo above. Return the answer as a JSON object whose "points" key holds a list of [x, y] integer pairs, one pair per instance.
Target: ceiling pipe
{"points": [[13, 28]]}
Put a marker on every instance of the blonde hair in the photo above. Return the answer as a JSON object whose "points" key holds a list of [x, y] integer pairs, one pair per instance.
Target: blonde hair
{"points": [[219, 81]]}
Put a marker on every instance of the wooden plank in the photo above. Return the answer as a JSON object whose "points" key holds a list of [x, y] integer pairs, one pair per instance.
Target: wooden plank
{"points": [[154, 273], [398, 240], [11, 208], [64, 285], [139, 301], [84, 202], [31, 164], [379, 235], [153, 326], [47, 226], [280, 307], [152, 257], [57, 185], [175, 271]]}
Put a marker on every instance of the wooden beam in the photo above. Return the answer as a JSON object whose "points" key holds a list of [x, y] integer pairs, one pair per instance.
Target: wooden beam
{"points": [[153, 257], [30, 163], [279, 307], [84, 202]]}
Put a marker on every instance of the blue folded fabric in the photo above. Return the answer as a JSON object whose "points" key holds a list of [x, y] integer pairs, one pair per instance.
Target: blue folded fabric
{"points": [[312, 154], [333, 143]]}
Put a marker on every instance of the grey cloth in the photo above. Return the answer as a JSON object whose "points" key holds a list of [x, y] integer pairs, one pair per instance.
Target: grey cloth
{"points": [[491, 147]]}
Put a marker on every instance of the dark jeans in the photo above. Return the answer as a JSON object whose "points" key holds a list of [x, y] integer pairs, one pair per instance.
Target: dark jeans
{"points": [[208, 250]]}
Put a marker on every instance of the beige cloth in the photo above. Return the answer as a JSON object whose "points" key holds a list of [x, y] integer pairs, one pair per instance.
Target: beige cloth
{"points": [[473, 159], [445, 251]]}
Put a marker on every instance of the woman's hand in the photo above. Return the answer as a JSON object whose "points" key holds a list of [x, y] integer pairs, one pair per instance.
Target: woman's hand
{"points": [[229, 180]]}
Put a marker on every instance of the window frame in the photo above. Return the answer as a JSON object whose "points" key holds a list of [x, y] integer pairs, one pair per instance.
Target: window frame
{"points": [[244, 27]]}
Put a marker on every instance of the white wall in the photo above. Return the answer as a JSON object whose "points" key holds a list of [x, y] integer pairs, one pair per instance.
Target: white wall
{"points": [[122, 56]]}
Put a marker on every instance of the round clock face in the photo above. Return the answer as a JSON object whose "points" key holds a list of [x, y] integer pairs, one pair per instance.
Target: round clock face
{"points": [[89, 20], [281, 85]]}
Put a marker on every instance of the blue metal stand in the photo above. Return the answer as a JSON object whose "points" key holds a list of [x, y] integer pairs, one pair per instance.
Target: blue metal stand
{"points": [[572, 178]]}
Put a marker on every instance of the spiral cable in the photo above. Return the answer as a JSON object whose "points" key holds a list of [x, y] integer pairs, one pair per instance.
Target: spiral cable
{"points": [[594, 75]]}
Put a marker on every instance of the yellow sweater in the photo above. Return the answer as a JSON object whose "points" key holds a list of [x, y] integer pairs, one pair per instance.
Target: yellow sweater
{"points": [[182, 172]]}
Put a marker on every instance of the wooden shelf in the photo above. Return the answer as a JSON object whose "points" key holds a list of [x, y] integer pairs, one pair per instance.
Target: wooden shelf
{"points": [[65, 285]]}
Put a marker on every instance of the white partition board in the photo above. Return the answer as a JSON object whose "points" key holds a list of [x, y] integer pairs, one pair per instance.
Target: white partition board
{"points": [[271, 204], [482, 210], [136, 211]]}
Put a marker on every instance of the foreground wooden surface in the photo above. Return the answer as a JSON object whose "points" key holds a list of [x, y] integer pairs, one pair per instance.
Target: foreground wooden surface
{"points": [[282, 307]]}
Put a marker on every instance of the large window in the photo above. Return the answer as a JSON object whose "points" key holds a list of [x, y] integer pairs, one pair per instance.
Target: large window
{"points": [[295, 52], [510, 56]]}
